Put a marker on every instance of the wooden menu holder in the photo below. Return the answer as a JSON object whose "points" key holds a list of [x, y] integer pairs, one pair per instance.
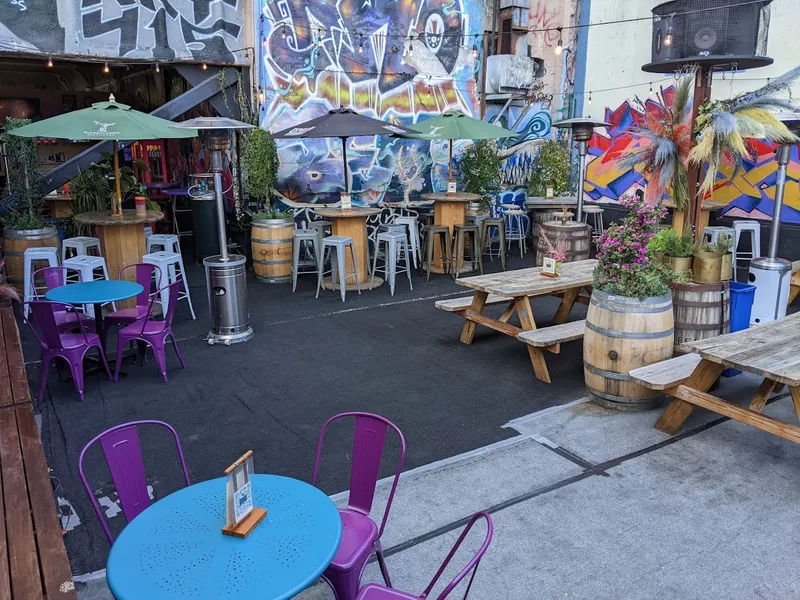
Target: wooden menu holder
{"points": [[249, 522]]}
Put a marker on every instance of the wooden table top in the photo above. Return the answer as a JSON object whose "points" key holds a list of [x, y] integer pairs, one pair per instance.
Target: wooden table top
{"points": [[539, 202], [771, 350], [457, 197], [129, 217], [531, 282], [338, 213]]}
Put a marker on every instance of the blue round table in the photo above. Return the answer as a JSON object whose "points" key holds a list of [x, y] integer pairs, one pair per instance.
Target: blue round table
{"points": [[176, 549], [97, 293]]}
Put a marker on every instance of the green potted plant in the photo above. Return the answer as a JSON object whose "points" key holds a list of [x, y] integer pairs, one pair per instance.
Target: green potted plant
{"points": [[551, 169], [479, 170], [677, 249], [658, 244], [23, 228], [724, 246]]}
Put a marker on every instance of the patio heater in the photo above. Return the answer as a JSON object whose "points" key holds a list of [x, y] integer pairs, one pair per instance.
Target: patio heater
{"points": [[582, 130], [226, 276], [772, 275]]}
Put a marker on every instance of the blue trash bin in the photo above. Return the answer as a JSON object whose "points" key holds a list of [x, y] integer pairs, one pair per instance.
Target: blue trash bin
{"points": [[742, 296]]}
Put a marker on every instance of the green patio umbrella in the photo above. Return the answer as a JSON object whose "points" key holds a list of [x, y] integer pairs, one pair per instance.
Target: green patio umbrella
{"points": [[105, 121], [455, 125]]}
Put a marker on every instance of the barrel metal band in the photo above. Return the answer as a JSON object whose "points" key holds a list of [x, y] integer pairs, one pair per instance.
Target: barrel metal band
{"points": [[621, 399], [690, 303], [272, 262], [630, 335], [627, 309], [701, 326], [607, 374], [280, 241]]}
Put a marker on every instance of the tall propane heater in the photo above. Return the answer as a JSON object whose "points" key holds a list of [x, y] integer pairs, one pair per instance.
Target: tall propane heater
{"points": [[582, 130], [772, 275], [226, 275]]}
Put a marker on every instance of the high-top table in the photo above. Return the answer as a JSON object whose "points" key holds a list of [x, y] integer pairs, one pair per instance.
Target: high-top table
{"points": [[353, 223], [450, 210], [121, 238]]}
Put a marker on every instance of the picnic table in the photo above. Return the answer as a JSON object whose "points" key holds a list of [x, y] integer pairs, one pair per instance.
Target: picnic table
{"points": [[771, 351], [515, 288]]}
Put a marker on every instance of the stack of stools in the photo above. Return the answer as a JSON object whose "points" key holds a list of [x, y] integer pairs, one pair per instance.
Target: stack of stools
{"points": [[30, 256], [88, 267], [429, 233], [597, 220], [324, 227], [462, 234], [487, 245], [413, 236], [396, 242], [339, 244], [754, 229], [81, 244], [170, 264], [302, 239]]}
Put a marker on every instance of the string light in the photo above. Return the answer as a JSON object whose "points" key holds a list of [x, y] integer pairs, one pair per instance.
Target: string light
{"points": [[283, 32], [106, 69], [204, 66], [158, 68], [261, 95], [264, 43], [411, 47], [49, 62], [475, 47], [590, 97], [670, 32], [651, 90], [560, 45], [361, 45]]}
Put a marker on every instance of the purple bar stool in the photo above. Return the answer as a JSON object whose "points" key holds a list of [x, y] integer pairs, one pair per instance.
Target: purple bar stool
{"points": [[71, 347], [153, 333], [378, 592], [123, 454], [360, 535], [144, 277], [56, 277]]}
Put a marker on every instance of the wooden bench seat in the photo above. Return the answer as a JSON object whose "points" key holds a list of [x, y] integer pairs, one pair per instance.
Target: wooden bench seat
{"points": [[552, 337], [33, 560], [667, 373], [463, 303], [794, 283]]}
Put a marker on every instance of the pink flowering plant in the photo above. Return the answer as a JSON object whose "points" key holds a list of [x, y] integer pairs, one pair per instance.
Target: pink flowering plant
{"points": [[625, 267]]}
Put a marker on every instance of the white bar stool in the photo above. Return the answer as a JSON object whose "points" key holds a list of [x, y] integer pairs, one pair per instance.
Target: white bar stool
{"points": [[597, 219], [86, 266], [754, 229], [413, 236], [168, 242], [81, 244], [711, 234], [167, 263], [515, 229], [30, 256], [396, 242], [339, 245]]}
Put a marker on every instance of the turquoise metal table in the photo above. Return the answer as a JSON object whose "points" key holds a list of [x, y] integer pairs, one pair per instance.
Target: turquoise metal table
{"points": [[175, 548]]}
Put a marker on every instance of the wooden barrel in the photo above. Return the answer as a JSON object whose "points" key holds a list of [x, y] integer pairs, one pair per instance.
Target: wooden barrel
{"points": [[15, 244], [702, 310], [576, 239], [271, 243], [623, 334]]}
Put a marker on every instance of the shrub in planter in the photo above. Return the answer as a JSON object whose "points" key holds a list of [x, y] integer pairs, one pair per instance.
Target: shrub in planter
{"points": [[677, 249], [551, 169], [479, 170], [724, 247], [707, 265]]}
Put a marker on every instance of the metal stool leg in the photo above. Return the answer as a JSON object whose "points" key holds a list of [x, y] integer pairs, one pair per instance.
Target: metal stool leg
{"points": [[375, 263], [476, 251], [408, 272], [342, 269], [295, 262], [429, 237], [320, 262]]}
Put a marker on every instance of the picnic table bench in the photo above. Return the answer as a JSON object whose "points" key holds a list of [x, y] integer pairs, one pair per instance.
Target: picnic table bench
{"points": [[771, 351], [515, 288], [33, 560], [794, 282]]}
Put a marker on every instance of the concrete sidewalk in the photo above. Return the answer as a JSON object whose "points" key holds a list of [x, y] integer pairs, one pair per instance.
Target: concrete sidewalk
{"points": [[593, 504]]}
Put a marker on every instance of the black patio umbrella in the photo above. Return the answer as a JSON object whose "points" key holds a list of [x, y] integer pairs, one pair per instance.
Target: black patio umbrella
{"points": [[342, 123]]}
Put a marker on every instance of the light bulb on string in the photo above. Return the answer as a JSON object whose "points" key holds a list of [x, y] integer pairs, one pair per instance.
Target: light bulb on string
{"points": [[475, 47], [49, 62], [283, 32], [106, 68], [158, 68], [590, 98], [668, 38], [651, 90], [411, 47], [261, 95], [360, 45], [560, 45], [204, 66]]}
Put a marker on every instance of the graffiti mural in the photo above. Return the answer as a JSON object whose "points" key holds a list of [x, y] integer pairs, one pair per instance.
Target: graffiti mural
{"points": [[749, 190], [395, 60], [159, 29], [532, 124]]}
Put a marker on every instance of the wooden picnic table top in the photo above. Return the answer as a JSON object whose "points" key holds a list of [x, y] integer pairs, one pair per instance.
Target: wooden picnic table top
{"points": [[771, 350], [531, 282]]}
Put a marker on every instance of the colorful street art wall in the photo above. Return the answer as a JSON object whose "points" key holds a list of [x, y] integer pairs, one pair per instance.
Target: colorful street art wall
{"points": [[748, 190], [161, 29], [395, 60]]}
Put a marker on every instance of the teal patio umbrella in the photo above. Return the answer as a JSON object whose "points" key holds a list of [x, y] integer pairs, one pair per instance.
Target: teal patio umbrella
{"points": [[455, 125], [105, 121]]}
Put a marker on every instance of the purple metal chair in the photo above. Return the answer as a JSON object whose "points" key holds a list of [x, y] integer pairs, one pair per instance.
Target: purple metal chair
{"points": [[72, 347], [360, 535], [123, 454], [378, 592], [56, 277], [153, 333], [144, 277]]}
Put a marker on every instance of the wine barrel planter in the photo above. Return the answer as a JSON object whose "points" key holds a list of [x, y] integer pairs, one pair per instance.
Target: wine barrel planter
{"points": [[623, 334], [271, 243], [701, 311], [575, 237], [19, 240]]}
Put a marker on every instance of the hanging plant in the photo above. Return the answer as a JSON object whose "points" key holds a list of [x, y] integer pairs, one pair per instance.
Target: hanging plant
{"points": [[551, 168], [725, 125], [666, 140], [23, 181]]}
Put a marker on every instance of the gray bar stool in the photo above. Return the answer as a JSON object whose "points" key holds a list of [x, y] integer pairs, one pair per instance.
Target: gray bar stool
{"points": [[301, 240], [597, 219], [413, 236], [396, 242], [486, 239], [460, 235], [430, 232], [338, 244], [324, 227]]}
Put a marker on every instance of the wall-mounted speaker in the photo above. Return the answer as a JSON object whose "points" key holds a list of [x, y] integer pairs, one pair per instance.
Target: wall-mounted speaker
{"points": [[726, 34]]}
